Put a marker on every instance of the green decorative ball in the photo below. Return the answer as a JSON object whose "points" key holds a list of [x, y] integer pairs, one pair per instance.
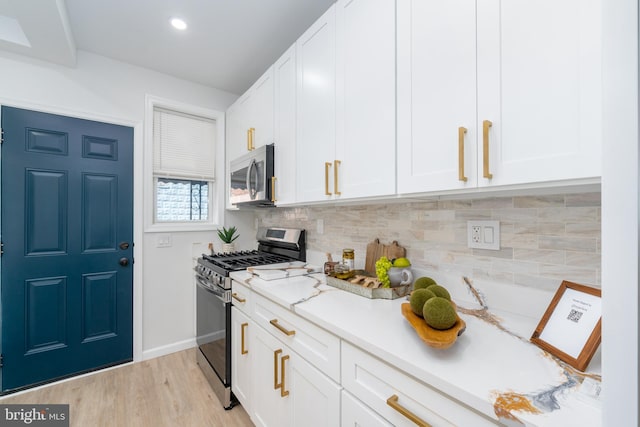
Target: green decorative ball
{"points": [[418, 298], [439, 313], [423, 282], [440, 291]]}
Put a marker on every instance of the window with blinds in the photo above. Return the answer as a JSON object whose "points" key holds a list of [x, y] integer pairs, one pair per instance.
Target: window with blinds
{"points": [[183, 166]]}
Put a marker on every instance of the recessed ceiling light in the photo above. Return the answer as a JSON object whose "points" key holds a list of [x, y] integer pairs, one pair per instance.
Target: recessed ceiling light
{"points": [[178, 24]]}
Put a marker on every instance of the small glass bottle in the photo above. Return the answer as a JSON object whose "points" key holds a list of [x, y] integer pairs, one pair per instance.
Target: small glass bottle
{"points": [[348, 258]]}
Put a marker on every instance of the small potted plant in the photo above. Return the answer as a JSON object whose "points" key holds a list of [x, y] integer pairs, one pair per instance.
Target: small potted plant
{"points": [[228, 235]]}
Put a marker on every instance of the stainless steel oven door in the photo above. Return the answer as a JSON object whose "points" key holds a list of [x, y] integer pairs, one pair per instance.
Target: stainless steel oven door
{"points": [[213, 327]]}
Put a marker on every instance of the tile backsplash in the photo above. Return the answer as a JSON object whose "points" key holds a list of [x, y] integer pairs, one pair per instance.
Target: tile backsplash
{"points": [[544, 239]]}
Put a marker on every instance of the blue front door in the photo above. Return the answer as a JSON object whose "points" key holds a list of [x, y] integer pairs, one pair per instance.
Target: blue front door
{"points": [[67, 227]]}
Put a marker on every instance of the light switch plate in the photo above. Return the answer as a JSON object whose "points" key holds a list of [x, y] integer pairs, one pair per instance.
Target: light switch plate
{"points": [[163, 240], [483, 235]]}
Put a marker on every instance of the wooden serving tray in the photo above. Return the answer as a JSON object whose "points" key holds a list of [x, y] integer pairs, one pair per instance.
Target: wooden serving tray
{"points": [[371, 293], [434, 337]]}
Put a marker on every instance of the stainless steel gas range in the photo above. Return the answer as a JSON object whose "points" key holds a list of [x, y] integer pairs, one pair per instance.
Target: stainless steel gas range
{"points": [[213, 300]]}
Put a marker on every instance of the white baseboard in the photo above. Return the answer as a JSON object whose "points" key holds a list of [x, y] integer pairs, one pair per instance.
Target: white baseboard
{"points": [[168, 349]]}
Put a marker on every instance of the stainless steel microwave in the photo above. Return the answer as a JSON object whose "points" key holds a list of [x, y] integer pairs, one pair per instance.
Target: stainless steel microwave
{"points": [[251, 178]]}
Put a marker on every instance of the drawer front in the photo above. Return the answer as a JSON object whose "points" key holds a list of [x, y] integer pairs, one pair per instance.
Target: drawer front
{"points": [[356, 413], [242, 297], [398, 397], [314, 344]]}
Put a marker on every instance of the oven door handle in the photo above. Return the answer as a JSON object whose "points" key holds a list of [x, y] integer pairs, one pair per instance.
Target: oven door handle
{"points": [[221, 294]]}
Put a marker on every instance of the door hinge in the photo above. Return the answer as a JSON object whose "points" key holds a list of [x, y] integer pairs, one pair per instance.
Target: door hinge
{"points": [[1, 248], [1, 360], [1, 135]]}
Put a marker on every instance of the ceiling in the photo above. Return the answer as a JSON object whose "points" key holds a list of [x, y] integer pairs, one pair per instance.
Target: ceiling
{"points": [[228, 43]]}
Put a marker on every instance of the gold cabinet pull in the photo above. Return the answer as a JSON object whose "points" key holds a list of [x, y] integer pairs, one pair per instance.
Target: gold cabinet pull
{"points": [[273, 189], [486, 125], [243, 350], [252, 135], [276, 385], [248, 139], [327, 165], [237, 298], [461, 133], [393, 402], [335, 178], [283, 392], [275, 323]]}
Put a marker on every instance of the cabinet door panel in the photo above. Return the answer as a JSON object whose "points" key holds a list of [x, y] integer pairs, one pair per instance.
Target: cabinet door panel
{"points": [[365, 97], [241, 362], [315, 54], [269, 408], [284, 72], [436, 94], [261, 109], [315, 399], [539, 82]]}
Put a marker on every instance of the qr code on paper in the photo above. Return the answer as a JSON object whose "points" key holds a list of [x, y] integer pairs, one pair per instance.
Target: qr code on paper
{"points": [[574, 315]]}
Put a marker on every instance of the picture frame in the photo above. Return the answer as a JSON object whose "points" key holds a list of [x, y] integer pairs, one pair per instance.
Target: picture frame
{"points": [[571, 327]]}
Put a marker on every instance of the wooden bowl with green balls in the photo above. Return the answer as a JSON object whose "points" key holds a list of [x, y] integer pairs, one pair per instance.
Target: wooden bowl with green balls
{"points": [[433, 315]]}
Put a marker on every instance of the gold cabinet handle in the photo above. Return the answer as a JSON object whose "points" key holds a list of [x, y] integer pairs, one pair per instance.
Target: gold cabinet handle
{"points": [[327, 165], [335, 178], [273, 189], [275, 323], [393, 402], [248, 139], [486, 125], [283, 392], [243, 350], [237, 298], [461, 133], [252, 135], [276, 385]]}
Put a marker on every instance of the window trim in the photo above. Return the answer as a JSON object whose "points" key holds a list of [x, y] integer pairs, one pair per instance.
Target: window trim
{"points": [[216, 207]]}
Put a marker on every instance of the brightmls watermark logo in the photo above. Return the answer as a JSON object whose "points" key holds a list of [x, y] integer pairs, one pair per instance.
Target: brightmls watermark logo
{"points": [[34, 415]]}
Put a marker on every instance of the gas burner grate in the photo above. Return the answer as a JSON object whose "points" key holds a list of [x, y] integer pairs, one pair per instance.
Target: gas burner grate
{"points": [[241, 260]]}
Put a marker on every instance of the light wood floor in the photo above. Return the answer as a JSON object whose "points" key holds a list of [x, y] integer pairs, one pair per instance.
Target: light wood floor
{"points": [[165, 391]]}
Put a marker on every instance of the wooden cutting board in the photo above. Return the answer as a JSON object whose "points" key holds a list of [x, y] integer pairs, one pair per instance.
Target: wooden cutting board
{"points": [[375, 250]]}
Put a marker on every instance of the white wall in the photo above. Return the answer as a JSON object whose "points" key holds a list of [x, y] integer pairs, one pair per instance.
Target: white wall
{"points": [[102, 89], [620, 214]]}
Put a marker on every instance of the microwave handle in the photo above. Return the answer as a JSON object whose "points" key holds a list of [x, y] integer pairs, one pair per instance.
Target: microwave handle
{"points": [[251, 183]]}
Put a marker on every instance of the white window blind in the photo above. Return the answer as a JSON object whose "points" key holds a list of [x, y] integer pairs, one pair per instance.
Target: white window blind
{"points": [[183, 145]]}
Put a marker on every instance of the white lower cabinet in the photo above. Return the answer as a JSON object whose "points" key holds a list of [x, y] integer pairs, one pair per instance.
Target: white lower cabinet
{"points": [[241, 357], [400, 399], [356, 413], [269, 407], [288, 390], [283, 365]]}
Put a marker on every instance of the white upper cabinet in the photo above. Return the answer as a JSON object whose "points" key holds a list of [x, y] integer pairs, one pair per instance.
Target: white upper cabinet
{"points": [[498, 93], [539, 83], [260, 104], [284, 74], [364, 162], [346, 103], [251, 118], [315, 55], [436, 95]]}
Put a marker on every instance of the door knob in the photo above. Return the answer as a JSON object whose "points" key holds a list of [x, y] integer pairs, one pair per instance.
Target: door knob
{"points": [[124, 262], [124, 246]]}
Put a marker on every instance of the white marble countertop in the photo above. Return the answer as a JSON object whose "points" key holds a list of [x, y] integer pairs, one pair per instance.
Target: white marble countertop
{"points": [[487, 361]]}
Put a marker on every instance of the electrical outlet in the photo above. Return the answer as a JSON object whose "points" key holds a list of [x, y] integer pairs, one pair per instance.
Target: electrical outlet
{"points": [[475, 233], [320, 226], [483, 235]]}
